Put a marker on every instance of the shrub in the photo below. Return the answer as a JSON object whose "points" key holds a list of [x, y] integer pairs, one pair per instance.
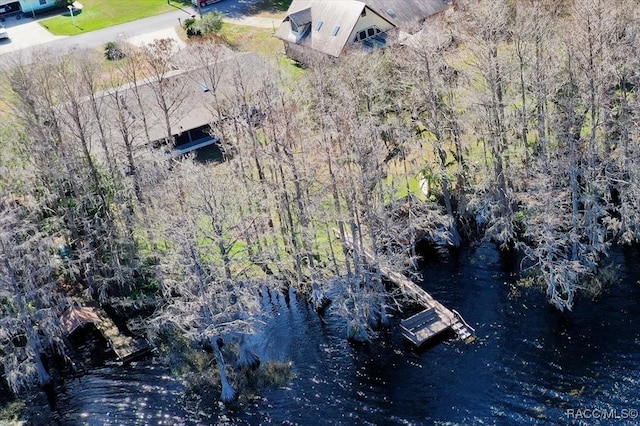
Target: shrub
{"points": [[112, 51], [191, 27], [210, 23], [188, 23]]}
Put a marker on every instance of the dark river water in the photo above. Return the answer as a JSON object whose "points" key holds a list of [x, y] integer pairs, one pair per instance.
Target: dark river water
{"points": [[529, 365]]}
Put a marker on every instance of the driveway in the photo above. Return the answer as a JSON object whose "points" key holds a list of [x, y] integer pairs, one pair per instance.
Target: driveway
{"points": [[23, 33]]}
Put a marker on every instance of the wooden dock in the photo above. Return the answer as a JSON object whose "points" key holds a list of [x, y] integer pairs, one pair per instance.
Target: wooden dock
{"points": [[126, 348], [433, 320]]}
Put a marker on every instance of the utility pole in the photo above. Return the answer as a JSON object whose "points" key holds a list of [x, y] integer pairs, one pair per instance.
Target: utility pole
{"points": [[73, 18]]}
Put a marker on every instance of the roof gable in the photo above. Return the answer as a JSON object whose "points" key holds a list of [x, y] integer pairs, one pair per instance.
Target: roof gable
{"points": [[301, 17]]}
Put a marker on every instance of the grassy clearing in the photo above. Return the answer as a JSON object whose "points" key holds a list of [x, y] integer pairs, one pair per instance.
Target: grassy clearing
{"points": [[98, 14], [252, 39], [261, 41], [402, 186]]}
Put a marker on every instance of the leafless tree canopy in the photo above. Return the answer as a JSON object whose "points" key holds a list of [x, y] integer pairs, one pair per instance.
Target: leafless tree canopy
{"points": [[491, 122]]}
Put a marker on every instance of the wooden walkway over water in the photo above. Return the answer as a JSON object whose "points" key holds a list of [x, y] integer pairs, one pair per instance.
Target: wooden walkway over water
{"points": [[126, 348], [433, 320]]}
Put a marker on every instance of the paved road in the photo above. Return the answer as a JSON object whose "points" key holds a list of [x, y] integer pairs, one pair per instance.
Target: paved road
{"points": [[28, 38]]}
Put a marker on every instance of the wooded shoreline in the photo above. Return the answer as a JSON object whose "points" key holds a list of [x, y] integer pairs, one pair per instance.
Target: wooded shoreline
{"points": [[525, 133]]}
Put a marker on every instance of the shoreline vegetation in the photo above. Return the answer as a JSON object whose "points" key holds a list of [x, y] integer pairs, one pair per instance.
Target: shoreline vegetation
{"points": [[492, 123]]}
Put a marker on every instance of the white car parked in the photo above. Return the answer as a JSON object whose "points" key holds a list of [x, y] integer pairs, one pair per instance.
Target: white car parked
{"points": [[3, 32]]}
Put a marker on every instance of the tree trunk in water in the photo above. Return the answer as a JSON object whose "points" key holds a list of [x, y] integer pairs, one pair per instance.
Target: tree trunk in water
{"points": [[44, 378], [357, 332], [228, 393], [246, 357]]}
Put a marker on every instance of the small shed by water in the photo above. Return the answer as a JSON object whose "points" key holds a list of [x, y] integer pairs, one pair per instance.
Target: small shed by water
{"points": [[75, 317], [126, 348]]}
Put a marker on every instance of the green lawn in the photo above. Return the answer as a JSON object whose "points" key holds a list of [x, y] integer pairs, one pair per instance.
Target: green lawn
{"points": [[97, 14]]}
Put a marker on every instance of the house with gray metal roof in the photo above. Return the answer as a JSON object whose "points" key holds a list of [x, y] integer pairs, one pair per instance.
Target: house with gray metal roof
{"points": [[330, 27], [200, 97]]}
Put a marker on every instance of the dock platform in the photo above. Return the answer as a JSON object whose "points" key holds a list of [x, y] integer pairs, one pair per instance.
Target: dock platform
{"points": [[433, 320]]}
